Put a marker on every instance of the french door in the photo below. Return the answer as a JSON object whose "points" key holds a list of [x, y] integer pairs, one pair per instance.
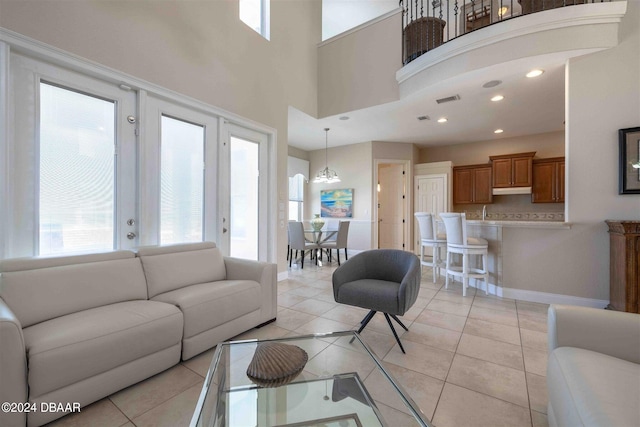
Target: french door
{"points": [[178, 174], [244, 165], [74, 149], [95, 165]]}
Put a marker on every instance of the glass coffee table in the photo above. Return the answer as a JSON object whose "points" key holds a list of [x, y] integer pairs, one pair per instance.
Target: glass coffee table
{"points": [[343, 384]]}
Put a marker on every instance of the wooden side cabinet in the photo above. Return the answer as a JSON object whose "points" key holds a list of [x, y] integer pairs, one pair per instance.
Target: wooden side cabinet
{"points": [[472, 184], [548, 180], [512, 170], [624, 286]]}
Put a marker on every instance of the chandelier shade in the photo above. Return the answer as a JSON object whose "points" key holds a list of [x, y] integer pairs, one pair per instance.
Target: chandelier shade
{"points": [[326, 175]]}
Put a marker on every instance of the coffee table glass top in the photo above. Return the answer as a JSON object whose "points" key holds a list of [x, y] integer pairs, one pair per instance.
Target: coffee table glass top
{"points": [[342, 384]]}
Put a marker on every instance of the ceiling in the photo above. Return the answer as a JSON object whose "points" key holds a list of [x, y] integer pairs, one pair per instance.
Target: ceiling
{"points": [[530, 106]]}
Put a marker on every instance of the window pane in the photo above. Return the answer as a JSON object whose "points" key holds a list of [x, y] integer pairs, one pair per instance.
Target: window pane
{"points": [[77, 171], [294, 211], [244, 199], [255, 13], [250, 13], [181, 181]]}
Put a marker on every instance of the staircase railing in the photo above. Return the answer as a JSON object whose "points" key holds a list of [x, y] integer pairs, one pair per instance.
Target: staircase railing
{"points": [[427, 24]]}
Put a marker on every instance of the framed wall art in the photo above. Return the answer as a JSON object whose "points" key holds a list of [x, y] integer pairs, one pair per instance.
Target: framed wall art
{"points": [[629, 179], [336, 203]]}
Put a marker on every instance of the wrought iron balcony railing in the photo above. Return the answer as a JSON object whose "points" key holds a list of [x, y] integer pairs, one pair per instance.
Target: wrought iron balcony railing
{"points": [[428, 24]]}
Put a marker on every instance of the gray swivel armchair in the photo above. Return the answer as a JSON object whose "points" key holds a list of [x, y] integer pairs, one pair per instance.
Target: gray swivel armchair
{"points": [[385, 280]]}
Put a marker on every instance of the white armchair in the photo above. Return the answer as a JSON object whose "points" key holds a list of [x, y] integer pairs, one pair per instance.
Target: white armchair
{"points": [[593, 374]]}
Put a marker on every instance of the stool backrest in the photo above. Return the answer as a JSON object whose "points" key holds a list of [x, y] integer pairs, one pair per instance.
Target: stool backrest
{"points": [[427, 225], [455, 225]]}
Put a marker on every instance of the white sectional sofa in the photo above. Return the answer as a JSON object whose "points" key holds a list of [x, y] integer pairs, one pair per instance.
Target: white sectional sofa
{"points": [[593, 374], [79, 328]]}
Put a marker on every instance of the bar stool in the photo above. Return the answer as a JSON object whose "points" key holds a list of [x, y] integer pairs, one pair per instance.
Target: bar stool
{"points": [[455, 225], [430, 237]]}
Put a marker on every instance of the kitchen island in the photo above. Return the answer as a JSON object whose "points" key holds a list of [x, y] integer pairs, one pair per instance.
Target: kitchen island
{"points": [[491, 230]]}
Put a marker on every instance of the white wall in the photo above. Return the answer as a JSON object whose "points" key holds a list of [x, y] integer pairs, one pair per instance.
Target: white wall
{"points": [[198, 48], [353, 163], [603, 95], [342, 15], [544, 144], [358, 70]]}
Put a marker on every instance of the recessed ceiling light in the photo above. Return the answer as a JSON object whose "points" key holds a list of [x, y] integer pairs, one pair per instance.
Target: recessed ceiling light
{"points": [[497, 98], [344, 118], [535, 73], [442, 120], [498, 131], [492, 83]]}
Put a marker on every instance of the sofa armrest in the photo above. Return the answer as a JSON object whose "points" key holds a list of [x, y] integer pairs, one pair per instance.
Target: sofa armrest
{"points": [[262, 272], [609, 332], [13, 366]]}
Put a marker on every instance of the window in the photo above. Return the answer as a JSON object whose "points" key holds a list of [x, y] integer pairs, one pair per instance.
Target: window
{"points": [[181, 181], [255, 13], [296, 197], [244, 198], [77, 171]]}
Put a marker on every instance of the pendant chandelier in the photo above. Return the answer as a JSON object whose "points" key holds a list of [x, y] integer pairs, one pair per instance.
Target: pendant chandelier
{"points": [[326, 175]]}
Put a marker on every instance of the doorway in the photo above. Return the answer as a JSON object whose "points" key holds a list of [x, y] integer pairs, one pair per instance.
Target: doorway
{"points": [[391, 199]]}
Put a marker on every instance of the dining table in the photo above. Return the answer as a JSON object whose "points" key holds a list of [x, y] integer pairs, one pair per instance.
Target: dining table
{"points": [[318, 237]]}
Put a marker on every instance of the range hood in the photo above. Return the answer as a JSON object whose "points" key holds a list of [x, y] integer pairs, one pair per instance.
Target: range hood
{"points": [[511, 190]]}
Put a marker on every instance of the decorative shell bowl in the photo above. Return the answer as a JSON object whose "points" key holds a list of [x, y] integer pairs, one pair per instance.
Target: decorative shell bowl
{"points": [[275, 364]]}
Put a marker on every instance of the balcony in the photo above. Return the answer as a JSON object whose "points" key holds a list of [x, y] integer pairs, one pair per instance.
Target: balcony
{"points": [[367, 66], [427, 25]]}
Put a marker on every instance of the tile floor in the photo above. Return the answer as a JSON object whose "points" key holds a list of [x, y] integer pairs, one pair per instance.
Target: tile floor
{"points": [[471, 361]]}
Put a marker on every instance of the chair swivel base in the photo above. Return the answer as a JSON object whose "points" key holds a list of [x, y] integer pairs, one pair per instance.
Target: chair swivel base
{"points": [[370, 315]]}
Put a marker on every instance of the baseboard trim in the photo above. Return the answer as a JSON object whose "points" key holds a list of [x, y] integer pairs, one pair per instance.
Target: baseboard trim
{"points": [[542, 297], [549, 298]]}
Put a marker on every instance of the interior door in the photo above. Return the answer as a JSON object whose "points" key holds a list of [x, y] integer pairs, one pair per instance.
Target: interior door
{"points": [[431, 197], [391, 212]]}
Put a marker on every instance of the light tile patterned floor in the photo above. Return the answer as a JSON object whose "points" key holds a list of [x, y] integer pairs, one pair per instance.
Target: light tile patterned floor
{"points": [[471, 361]]}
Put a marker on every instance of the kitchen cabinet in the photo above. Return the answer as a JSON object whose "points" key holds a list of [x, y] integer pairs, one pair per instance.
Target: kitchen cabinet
{"points": [[472, 184], [512, 170], [624, 265], [548, 180]]}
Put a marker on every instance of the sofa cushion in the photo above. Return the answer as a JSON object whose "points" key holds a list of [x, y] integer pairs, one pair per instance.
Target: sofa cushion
{"points": [[71, 348], [208, 305], [37, 290], [168, 270], [587, 388]]}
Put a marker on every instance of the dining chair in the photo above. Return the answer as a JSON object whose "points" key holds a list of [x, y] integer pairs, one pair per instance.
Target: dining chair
{"points": [[429, 237], [458, 242], [339, 243], [299, 243]]}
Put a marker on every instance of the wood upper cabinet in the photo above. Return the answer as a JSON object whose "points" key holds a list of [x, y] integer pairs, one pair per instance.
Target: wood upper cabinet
{"points": [[548, 180], [472, 184], [512, 170]]}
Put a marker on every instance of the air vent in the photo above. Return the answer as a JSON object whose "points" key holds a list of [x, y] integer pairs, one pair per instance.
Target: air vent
{"points": [[448, 99], [423, 118]]}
